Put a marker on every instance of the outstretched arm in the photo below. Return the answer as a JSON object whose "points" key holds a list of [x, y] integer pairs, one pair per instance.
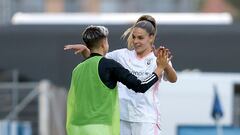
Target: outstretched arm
{"points": [[85, 52], [78, 49]]}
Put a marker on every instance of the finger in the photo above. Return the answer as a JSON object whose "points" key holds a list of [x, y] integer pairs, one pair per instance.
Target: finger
{"points": [[164, 52], [170, 58], [159, 50], [161, 46], [67, 47], [165, 56], [73, 45], [169, 53]]}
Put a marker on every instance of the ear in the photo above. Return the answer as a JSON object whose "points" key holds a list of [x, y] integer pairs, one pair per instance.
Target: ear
{"points": [[102, 43], [151, 38]]}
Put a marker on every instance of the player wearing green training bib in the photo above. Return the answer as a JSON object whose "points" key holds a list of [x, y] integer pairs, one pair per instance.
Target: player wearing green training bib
{"points": [[91, 110]]}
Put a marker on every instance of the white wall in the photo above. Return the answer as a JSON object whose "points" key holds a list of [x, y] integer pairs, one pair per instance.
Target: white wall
{"points": [[189, 101]]}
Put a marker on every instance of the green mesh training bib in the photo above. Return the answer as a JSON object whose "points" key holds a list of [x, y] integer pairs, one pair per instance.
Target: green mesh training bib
{"points": [[92, 108]]}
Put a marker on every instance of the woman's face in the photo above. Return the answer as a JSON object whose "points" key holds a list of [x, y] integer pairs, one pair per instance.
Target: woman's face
{"points": [[142, 41]]}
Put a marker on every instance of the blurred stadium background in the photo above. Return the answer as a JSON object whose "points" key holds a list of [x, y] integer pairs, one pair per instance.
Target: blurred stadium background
{"points": [[35, 72]]}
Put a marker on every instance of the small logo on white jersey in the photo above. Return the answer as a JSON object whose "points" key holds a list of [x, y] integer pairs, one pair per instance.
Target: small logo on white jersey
{"points": [[149, 61]]}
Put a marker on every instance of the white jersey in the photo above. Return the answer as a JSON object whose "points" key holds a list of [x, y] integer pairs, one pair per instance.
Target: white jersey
{"points": [[137, 107]]}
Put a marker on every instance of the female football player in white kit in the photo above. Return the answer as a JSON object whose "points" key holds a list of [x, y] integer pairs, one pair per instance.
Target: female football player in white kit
{"points": [[139, 112]]}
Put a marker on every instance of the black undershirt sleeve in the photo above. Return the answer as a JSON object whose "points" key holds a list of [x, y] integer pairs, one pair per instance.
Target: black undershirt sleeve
{"points": [[111, 72]]}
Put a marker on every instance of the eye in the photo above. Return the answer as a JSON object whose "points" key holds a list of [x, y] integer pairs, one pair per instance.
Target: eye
{"points": [[133, 37], [140, 37]]}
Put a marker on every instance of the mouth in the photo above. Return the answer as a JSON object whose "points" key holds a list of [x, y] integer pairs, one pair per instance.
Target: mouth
{"points": [[137, 46]]}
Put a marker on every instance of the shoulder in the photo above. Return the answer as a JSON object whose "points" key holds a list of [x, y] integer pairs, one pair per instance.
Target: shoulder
{"points": [[109, 62], [118, 54], [119, 51], [77, 68]]}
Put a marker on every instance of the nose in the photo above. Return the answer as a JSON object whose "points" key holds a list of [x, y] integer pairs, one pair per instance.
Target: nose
{"points": [[135, 41]]}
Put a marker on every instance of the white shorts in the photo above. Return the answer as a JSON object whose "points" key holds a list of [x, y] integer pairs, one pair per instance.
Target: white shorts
{"points": [[138, 128]]}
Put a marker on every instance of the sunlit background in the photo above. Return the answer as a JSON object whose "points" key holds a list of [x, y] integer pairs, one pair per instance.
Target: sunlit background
{"points": [[35, 71]]}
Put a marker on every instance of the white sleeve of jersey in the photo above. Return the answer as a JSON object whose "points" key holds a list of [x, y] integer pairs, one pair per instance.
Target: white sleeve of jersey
{"points": [[164, 74]]}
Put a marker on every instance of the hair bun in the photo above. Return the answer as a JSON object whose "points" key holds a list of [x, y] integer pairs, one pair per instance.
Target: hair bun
{"points": [[147, 18]]}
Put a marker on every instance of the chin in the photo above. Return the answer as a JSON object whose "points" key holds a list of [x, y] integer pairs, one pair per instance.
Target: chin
{"points": [[138, 51]]}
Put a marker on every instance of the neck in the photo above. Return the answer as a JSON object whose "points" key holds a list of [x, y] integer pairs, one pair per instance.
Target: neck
{"points": [[144, 53], [98, 51]]}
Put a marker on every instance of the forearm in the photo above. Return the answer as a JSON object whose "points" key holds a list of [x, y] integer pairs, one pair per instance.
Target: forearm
{"points": [[144, 85], [158, 71], [132, 82], [112, 72], [170, 74], [137, 85]]}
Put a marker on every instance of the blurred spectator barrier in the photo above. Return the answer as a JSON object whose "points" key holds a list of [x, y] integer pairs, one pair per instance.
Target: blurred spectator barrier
{"points": [[41, 103], [15, 128], [116, 18]]}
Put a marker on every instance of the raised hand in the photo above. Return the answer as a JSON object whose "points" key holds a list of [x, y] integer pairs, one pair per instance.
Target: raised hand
{"points": [[162, 58], [170, 56], [169, 71], [78, 49], [155, 51]]}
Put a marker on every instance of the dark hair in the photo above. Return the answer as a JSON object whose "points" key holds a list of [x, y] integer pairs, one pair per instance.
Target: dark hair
{"points": [[93, 34], [146, 25], [149, 19], [145, 22]]}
